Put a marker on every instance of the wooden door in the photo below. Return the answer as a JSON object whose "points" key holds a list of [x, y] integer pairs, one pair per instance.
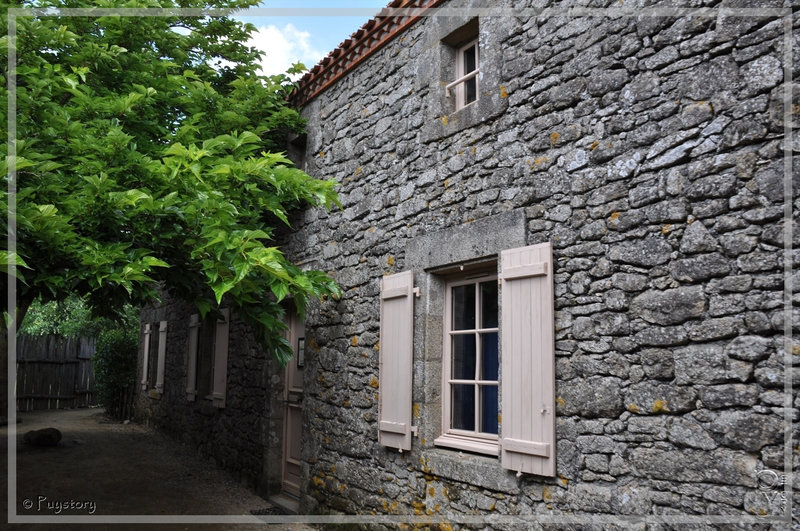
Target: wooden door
{"points": [[293, 408]]}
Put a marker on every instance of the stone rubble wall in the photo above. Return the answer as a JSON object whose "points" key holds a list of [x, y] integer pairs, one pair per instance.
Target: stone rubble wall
{"points": [[649, 151], [245, 436]]}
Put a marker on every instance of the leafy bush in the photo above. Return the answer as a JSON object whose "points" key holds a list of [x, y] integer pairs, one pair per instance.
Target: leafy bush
{"points": [[115, 368]]}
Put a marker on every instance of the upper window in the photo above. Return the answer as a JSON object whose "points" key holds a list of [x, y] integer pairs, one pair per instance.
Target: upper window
{"points": [[471, 368], [461, 64]]}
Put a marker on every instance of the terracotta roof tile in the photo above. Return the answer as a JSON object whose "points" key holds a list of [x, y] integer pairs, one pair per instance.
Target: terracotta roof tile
{"points": [[371, 37]]}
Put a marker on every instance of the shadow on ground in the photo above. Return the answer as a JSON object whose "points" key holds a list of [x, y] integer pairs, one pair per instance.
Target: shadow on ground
{"points": [[103, 467]]}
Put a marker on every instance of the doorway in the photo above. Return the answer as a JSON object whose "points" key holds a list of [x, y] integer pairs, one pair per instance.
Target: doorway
{"points": [[293, 408]]}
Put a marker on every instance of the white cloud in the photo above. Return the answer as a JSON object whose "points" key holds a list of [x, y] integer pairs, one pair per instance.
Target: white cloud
{"points": [[282, 47]]}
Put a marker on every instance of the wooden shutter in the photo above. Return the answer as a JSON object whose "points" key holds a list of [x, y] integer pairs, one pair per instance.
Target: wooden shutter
{"points": [[221, 358], [191, 369], [145, 355], [162, 355], [528, 360], [396, 360]]}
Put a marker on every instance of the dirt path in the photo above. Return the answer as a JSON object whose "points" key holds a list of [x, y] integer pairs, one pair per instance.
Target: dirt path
{"points": [[108, 468]]}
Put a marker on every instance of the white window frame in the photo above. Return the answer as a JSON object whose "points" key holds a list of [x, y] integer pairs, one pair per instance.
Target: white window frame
{"points": [[472, 441], [462, 76]]}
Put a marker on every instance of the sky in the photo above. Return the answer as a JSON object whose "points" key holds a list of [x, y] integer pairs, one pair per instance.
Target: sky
{"points": [[306, 30]]}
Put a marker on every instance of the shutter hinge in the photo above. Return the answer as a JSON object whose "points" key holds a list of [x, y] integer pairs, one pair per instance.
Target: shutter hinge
{"points": [[417, 293]]}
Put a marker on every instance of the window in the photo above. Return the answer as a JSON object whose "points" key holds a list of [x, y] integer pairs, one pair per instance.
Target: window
{"points": [[208, 358], [153, 369], [471, 364], [468, 85], [464, 62], [497, 356]]}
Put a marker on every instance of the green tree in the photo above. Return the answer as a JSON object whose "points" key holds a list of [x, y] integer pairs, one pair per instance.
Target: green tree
{"points": [[69, 317], [147, 158]]}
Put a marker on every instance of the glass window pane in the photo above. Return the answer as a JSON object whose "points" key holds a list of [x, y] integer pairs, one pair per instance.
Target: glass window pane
{"points": [[470, 63], [464, 307], [464, 354], [488, 408], [469, 59], [471, 90], [489, 304], [489, 361], [463, 407]]}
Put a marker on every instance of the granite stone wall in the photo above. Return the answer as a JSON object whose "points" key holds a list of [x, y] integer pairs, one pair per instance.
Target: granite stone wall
{"points": [[650, 151]]}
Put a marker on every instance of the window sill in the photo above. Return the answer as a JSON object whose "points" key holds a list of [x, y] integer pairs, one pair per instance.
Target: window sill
{"points": [[467, 106], [468, 444], [480, 470], [484, 109]]}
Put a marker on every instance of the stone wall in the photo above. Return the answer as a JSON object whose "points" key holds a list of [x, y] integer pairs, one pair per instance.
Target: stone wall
{"points": [[245, 436], [649, 151]]}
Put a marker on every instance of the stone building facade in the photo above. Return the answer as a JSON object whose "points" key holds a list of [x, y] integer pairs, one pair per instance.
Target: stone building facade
{"points": [[244, 436], [646, 152]]}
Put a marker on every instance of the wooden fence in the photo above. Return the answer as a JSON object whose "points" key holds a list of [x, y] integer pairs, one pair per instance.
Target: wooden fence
{"points": [[121, 405], [54, 372]]}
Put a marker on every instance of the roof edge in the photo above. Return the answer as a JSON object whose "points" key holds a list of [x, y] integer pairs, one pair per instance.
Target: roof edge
{"points": [[370, 38]]}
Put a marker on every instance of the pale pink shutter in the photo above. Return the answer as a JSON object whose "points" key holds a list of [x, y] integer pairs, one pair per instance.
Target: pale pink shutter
{"points": [[528, 360], [221, 358], [162, 355], [146, 355], [191, 369], [396, 360]]}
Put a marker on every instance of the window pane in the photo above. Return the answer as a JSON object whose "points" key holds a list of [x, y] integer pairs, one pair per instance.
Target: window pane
{"points": [[489, 304], [488, 408], [489, 363], [464, 307], [470, 90], [469, 59], [463, 407], [463, 357]]}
